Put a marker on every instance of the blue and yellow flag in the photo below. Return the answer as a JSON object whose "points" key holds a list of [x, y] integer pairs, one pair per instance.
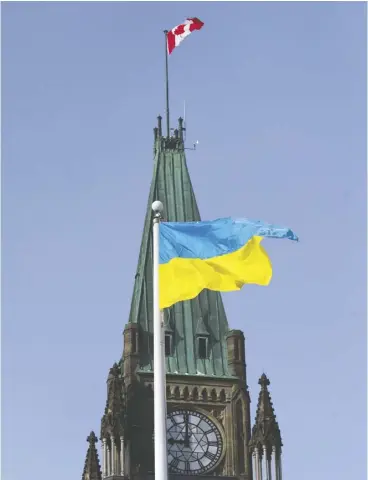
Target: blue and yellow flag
{"points": [[221, 255]]}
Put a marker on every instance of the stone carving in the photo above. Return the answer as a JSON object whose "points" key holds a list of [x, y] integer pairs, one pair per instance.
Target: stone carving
{"points": [[112, 423], [92, 469]]}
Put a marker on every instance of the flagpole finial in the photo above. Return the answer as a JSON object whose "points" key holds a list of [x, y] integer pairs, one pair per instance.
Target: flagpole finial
{"points": [[157, 208]]}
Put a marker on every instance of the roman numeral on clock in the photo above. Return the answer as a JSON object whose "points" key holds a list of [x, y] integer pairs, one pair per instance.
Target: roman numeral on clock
{"points": [[210, 455], [174, 462]]}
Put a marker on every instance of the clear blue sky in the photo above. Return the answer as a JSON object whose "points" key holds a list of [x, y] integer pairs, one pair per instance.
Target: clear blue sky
{"points": [[276, 96]]}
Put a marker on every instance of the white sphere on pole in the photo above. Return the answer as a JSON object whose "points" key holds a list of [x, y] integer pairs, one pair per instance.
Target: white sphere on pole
{"points": [[157, 207]]}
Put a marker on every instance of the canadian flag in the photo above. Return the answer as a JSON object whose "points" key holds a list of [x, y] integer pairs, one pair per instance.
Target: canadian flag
{"points": [[177, 34]]}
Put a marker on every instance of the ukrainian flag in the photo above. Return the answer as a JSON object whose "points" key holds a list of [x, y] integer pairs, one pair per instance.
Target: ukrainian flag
{"points": [[221, 255]]}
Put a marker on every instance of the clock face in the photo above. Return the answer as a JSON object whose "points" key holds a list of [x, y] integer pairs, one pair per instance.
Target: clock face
{"points": [[194, 442]]}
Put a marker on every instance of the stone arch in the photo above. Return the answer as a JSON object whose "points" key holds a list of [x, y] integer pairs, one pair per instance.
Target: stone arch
{"points": [[177, 392], [185, 393], [222, 396], [213, 395], [150, 390], [204, 395], [240, 436]]}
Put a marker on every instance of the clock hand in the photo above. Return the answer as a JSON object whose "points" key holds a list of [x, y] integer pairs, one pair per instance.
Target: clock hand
{"points": [[186, 438], [172, 441]]}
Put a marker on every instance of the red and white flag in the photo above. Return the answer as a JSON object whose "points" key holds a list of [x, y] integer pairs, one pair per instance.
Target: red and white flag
{"points": [[177, 34]]}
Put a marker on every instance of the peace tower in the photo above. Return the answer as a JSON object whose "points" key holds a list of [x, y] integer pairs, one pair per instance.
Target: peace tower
{"points": [[209, 429]]}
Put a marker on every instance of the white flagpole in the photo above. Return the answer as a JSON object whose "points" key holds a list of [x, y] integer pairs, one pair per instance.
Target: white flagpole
{"points": [[161, 466]]}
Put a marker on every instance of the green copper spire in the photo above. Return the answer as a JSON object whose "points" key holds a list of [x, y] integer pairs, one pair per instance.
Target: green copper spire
{"points": [[188, 322]]}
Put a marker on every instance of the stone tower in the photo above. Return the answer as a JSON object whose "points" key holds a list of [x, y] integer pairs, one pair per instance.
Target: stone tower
{"points": [[208, 404]]}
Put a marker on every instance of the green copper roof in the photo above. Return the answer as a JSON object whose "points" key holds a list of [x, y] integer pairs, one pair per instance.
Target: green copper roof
{"points": [[205, 315]]}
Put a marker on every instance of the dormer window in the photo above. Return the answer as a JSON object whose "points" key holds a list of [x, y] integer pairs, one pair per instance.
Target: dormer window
{"points": [[202, 338], [168, 344], [202, 347], [169, 332]]}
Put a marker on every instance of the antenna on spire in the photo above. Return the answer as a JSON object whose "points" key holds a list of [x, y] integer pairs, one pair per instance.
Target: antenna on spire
{"points": [[185, 125], [185, 131]]}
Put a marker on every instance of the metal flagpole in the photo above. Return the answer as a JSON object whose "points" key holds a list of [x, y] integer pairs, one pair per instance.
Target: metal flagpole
{"points": [[167, 86], [161, 467]]}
